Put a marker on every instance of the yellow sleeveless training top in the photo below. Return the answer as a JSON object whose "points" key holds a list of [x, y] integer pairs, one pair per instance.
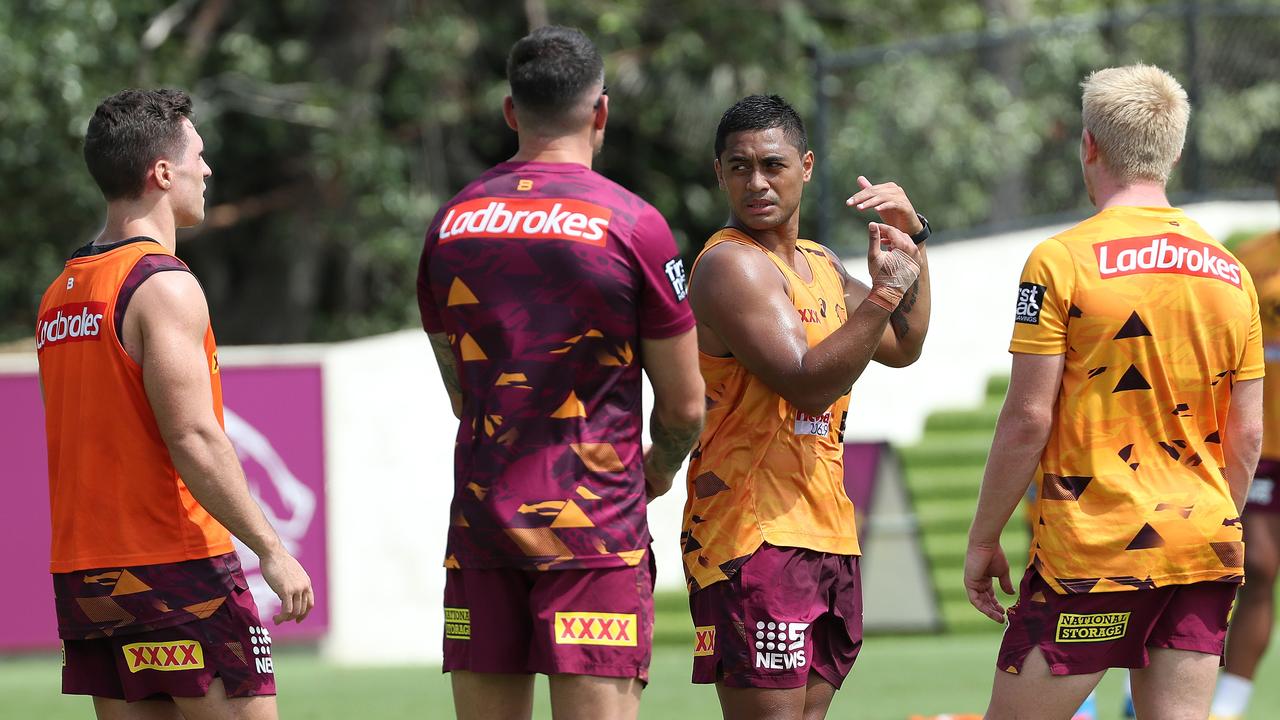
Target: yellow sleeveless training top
{"points": [[763, 471]]}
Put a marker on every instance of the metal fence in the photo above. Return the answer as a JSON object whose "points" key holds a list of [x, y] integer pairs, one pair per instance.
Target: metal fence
{"points": [[982, 128]]}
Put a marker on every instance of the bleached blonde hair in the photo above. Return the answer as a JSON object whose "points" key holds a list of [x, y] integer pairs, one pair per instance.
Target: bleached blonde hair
{"points": [[1138, 116]]}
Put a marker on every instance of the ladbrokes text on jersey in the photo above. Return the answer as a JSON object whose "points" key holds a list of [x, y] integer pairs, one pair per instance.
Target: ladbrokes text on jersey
{"points": [[1165, 254], [533, 219], [70, 323]]}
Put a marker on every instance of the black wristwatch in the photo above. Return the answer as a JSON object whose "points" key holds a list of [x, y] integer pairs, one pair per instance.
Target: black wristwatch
{"points": [[923, 234]]}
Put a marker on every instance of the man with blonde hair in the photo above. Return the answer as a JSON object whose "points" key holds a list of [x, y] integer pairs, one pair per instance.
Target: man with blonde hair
{"points": [[1135, 402]]}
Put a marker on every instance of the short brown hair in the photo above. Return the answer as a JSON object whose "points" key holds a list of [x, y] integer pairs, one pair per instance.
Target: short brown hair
{"points": [[1138, 115], [550, 70], [128, 132]]}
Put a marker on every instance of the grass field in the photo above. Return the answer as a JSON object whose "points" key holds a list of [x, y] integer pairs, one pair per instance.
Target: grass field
{"points": [[895, 677]]}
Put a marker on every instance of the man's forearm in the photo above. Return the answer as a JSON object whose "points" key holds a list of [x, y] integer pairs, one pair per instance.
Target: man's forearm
{"points": [[208, 465], [448, 364], [1242, 462], [910, 320], [671, 443], [830, 368], [1015, 453]]}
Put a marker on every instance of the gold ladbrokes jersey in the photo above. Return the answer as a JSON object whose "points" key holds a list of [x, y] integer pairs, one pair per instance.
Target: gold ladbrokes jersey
{"points": [[1157, 322], [1261, 256], [764, 471]]}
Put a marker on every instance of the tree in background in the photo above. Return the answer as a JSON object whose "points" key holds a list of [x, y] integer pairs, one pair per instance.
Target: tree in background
{"points": [[336, 129]]}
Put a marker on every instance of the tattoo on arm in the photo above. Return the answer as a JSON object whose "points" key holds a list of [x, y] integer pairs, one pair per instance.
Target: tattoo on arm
{"points": [[670, 445], [898, 318], [448, 369]]}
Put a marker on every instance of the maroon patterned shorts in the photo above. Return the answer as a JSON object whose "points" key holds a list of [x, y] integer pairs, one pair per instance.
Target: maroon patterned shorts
{"points": [[579, 622], [1264, 495], [176, 660], [1088, 633], [786, 612]]}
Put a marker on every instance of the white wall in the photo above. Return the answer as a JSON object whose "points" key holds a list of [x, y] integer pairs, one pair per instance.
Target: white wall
{"points": [[974, 286], [389, 460]]}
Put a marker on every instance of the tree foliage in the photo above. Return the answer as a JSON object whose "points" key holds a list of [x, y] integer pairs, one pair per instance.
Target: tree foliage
{"points": [[336, 129]]}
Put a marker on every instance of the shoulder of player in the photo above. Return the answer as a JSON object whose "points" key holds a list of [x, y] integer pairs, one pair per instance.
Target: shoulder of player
{"points": [[170, 298], [732, 264], [819, 249]]}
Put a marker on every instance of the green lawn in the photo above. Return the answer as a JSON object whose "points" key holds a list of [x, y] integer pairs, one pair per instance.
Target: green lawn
{"points": [[894, 678]]}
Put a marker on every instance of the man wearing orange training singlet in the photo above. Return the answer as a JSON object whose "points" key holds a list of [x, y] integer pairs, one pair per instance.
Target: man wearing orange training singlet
{"points": [[154, 612], [769, 544], [1135, 402]]}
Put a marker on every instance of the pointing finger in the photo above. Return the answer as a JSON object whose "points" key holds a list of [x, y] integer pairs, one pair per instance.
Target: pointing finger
{"points": [[864, 182]]}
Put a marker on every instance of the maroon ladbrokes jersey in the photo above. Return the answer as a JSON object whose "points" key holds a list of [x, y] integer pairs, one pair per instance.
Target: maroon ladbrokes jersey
{"points": [[545, 278]]}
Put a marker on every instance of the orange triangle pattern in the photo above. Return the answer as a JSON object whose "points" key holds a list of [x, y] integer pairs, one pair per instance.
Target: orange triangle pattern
{"points": [[470, 350], [586, 494], [571, 408], [632, 557], [129, 584], [460, 294], [572, 517], [205, 609], [598, 457]]}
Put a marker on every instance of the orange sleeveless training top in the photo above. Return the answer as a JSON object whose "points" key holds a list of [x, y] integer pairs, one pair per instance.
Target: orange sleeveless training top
{"points": [[763, 471], [116, 498]]}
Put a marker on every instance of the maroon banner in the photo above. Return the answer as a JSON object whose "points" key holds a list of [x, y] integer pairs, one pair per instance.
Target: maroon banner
{"points": [[274, 416]]}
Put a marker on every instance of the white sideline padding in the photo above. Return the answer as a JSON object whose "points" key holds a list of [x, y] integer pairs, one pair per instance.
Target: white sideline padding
{"points": [[389, 458]]}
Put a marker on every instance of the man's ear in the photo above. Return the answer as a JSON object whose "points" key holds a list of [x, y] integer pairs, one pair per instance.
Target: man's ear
{"points": [[719, 176], [162, 173], [601, 113], [1090, 146], [807, 163], [509, 113]]}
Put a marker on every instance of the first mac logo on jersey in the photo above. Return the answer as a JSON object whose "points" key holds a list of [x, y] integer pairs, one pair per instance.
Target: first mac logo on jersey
{"points": [[1030, 298]]}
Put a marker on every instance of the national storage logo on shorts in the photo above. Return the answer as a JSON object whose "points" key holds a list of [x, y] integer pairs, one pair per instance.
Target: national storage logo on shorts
{"points": [[165, 656], [457, 623], [590, 628], [1091, 627]]}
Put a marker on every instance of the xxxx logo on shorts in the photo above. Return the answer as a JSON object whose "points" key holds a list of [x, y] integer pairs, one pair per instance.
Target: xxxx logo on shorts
{"points": [[166, 656], [1091, 627], [704, 640], [457, 623], [589, 628]]}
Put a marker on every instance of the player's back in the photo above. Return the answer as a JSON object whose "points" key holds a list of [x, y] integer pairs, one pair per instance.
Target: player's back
{"points": [[1156, 320], [541, 276]]}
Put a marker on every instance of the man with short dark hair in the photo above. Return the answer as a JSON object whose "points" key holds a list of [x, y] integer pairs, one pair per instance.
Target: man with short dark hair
{"points": [[156, 618], [769, 543], [545, 289]]}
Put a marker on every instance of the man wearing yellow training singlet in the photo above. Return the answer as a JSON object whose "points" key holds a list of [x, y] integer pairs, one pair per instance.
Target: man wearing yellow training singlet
{"points": [[1136, 389], [1255, 607], [769, 544]]}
